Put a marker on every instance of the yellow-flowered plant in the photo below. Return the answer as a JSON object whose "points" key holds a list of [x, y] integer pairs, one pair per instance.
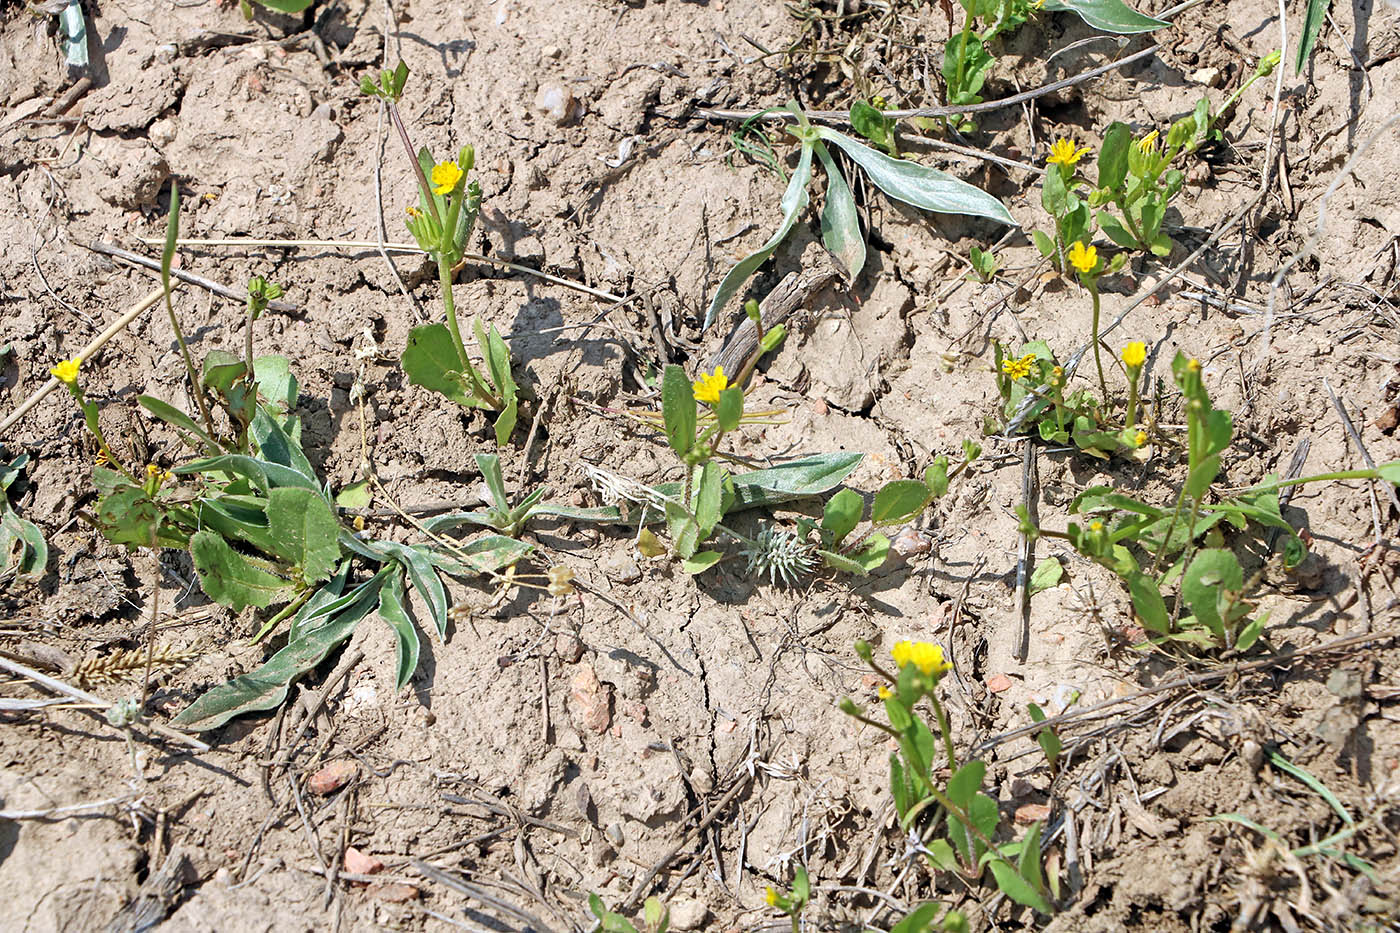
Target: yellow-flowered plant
{"points": [[66, 372], [1018, 368], [794, 900], [916, 720], [1063, 152], [708, 387], [436, 355]]}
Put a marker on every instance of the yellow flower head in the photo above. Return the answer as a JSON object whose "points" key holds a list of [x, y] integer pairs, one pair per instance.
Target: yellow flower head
{"points": [[1057, 375], [1085, 259], [1064, 153], [1020, 368], [1135, 354], [926, 656], [771, 897], [67, 371], [152, 470], [884, 692], [413, 212], [708, 387], [1096, 527], [1194, 365], [445, 177], [1148, 144], [1140, 438]]}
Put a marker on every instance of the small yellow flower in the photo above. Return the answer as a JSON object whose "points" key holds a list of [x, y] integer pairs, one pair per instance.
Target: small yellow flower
{"points": [[884, 692], [928, 658], [708, 387], [1194, 365], [900, 652], [413, 212], [1085, 259], [1135, 354], [67, 371], [561, 581], [152, 471], [100, 459], [1148, 144], [1057, 375], [1064, 153], [1140, 438], [167, 476], [445, 177], [771, 897], [359, 523], [1096, 527], [1020, 368], [879, 102]]}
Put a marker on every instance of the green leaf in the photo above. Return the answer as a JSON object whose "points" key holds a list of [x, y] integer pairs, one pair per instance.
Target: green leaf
{"points": [[305, 530], [965, 783], [936, 477], [701, 562], [1113, 155], [873, 553], [228, 578], [918, 920], [1200, 477], [899, 500], [1113, 228], [871, 123], [484, 555], [1390, 472], [490, 467], [842, 514], [172, 234], [1151, 609], [289, 7], [840, 225], [1313, 18], [1213, 572], [919, 185], [264, 474], [1016, 887], [1043, 244], [678, 409], [1029, 863], [391, 610], [708, 497], [730, 409], [276, 446], [1108, 15], [505, 422], [266, 687], [794, 200], [357, 495], [430, 360], [796, 479], [417, 561], [222, 369], [1283, 764], [1047, 574], [683, 529], [176, 419]]}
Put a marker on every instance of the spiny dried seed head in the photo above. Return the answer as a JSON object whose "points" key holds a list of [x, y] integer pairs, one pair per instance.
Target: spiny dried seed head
{"points": [[779, 554]]}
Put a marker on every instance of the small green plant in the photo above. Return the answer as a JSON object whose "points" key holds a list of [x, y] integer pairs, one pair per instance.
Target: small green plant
{"points": [[290, 7], [897, 502], [1178, 553], [984, 264], [794, 901], [656, 918], [868, 119], [925, 919], [23, 550], [901, 179], [965, 821], [1048, 739], [1077, 417], [436, 356]]}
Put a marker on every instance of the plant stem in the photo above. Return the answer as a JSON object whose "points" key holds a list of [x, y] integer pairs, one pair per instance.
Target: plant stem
{"points": [[423, 185], [943, 728], [445, 276], [1316, 478], [1131, 419], [195, 386], [1098, 361]]}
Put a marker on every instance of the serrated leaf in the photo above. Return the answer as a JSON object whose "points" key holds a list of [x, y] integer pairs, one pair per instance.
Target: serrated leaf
{"points": [[1108, 15], [794, 201], [923, 187], [840, 224], [228, 578], [305, 530]]}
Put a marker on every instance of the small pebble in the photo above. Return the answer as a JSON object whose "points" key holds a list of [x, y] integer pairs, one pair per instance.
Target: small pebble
{"points": [[358, 863], [557, 103], [332, 777]]}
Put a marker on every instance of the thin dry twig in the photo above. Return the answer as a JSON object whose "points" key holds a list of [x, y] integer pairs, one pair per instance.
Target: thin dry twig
{"points": [[223, 291]]}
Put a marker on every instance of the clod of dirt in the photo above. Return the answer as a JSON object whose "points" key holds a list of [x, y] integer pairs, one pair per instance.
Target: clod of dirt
{"points": [[126, 107], [1031, 812], [590, 701], [142, 173], [393, 893], [332, 777], [688, 914], [358, 863], [558, 104]]}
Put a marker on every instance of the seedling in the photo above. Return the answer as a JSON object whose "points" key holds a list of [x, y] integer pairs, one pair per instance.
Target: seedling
{"points": [[984, 264], [794, 900], [656, 918], [23, 550], [436, 358]]}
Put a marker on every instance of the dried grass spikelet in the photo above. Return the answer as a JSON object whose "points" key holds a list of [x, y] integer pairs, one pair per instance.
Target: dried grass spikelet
{"points": [[129, 665]]}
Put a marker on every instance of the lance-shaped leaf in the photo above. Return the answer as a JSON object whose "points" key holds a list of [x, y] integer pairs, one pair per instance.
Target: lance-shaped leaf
{"points": [[840, 226], [1108, 15], [391, 610], [794, 201], [919, 185]]}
